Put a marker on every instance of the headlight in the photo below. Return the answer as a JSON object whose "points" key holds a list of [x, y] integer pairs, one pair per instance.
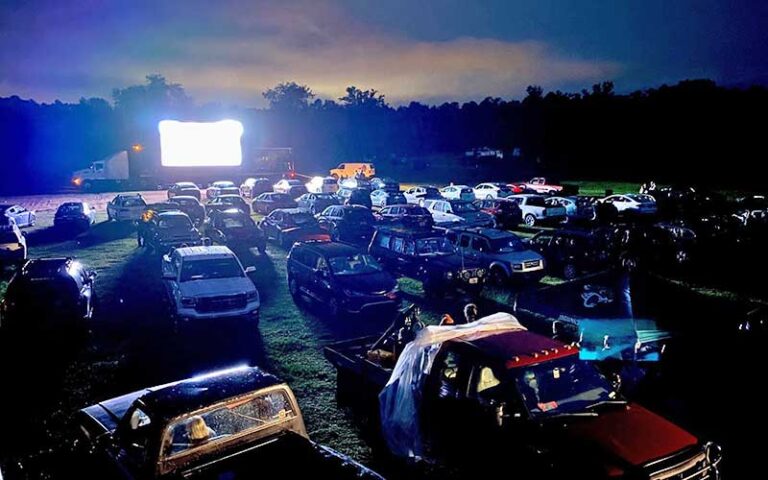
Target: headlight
{"points": [[713, 453], [517, 266], [254, 295], [480, 272], [465, 275], [449, 275], [188, 301]]}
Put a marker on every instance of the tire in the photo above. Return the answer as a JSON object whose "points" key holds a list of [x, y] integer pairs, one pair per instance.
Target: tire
{"points": [[140, 241], [499, 277], [569, 271], [530, 220], [313, 210], [681, 257], [335, 235]]}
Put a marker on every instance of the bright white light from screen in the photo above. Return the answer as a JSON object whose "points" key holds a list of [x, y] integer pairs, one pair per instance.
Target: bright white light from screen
{"points": [[195, 144]]}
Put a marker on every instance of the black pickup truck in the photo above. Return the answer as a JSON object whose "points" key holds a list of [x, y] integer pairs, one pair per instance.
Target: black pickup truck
{"points": [[231, 424], [492, 395]]}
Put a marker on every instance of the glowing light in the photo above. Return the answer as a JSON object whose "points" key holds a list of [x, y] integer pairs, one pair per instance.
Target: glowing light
{"points": [[77, 181], [137, 147], [194, 144]]}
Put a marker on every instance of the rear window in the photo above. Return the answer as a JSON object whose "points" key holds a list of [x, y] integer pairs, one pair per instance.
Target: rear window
{"points": [[176, 222], [359, 215], [536, 202], [134, 202], [71, 209]]}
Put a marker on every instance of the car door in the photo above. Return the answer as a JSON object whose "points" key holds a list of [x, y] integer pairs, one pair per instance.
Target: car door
{"points": [[303, 271]]}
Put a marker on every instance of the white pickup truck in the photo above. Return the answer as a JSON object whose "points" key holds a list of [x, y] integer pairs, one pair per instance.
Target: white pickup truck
{"points": [[535, 210], [540, 185], [207, 283]]}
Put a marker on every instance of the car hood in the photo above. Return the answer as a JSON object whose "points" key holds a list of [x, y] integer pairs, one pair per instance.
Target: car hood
{"points": [[370, 283], [516, 257], [631, 435], [109, 412], [216, 287], [450, 262], [475, 217]]}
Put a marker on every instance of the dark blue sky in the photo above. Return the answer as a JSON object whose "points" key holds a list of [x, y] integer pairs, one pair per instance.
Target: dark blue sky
{"points": [[231, 50]]}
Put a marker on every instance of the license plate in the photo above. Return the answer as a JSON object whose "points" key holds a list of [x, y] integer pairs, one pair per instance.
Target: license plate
{"points": [[472, 281]]}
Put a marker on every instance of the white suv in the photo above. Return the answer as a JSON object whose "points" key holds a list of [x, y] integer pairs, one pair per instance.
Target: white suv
{"points": [[535, 210], [209, 282], [126, 207]]}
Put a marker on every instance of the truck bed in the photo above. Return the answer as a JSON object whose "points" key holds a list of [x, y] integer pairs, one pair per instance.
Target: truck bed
{"points": [[350, 357], [289, 456]]}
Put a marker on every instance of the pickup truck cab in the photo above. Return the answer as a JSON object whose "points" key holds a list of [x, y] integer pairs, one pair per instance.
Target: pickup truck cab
{"points": [[209, 283], [535, 210], [421, 193], [428, 256], [126, 207], [540, 185], [492, 391], [234, 423], [503, 254]]}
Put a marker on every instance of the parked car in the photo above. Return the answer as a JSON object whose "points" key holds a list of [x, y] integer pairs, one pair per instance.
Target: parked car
{"points": [[493, 390], [663, 245], [427, 256], [233, 423], [322, 185], [541, 186], [74, 214], [191, 206], [20, 215], [317, 202], [506, 212], [186, 189], [408, 215], [351, 170], [383, 198], [225, 202], [355, 182], [355, 196], [570, 253], [631, 203], [455, 212], [208, 283], [417, 195], [126, 207], [342, 278], [490, 190], [235, 229], [253, 187], [285, 185], [221, 187], [296, 191], [577, 209], [49, 293], [457, 192], [266, 202], [385, 183], [535, 210], [13, 245], [349, 223], [163, 231], [288, 225], [503, 254]]}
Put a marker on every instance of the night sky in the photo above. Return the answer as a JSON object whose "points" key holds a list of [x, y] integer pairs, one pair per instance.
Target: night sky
{"points": [[231, 50]]}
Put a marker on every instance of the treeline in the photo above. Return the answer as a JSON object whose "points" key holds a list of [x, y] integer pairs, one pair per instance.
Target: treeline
{"points": [[692, 132]]}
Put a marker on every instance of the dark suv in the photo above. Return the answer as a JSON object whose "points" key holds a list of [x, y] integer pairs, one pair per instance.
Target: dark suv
{"points": [[45, 292], [235, 229], [349, 223], [569, 253], [506, 212], [340, 276], [161, 231], [506, 257], [428, 256]]}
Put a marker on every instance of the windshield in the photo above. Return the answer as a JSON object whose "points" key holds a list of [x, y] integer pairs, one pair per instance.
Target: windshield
{"points": [[134, 202], [70, 209], [357, 264], [507, 244], [176, 222], [236, 222], [463, 207], [301, 219], [210, 269], [567, 385], [434, 246]]}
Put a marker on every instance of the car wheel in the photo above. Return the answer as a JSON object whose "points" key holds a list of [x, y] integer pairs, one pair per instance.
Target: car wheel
{"points": [[421, 202], [628, 263], [499, 277], [681, 257], [335, 236], [293, 289], [313, 210], [569, 271], [140, 240], [530, 220]]}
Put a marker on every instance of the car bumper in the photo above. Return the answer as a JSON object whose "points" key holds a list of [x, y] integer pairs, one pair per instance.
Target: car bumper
{"points": [[358, 305], [250, 311]]}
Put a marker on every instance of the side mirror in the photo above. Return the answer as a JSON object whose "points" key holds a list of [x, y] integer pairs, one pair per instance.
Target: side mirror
{"points": [[250, 269]]}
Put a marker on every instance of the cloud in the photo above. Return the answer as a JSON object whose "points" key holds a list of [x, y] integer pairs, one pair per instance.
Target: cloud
{"points": [[232, 51]]}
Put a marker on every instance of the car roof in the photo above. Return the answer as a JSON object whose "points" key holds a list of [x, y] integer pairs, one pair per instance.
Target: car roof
{"points": [[185, 184], [520, 348], [172, 213], [527, 195], [410, 232], [230, 212], [204, 252], [230, 195], [128, 195], [491, 233], [47, 268], [293, 211], [71, 204], [184, 197], [222, 182], [185, 396], [331, 249]]}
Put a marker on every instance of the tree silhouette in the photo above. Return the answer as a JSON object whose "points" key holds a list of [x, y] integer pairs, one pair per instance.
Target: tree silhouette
{"points": [[289, 96]]}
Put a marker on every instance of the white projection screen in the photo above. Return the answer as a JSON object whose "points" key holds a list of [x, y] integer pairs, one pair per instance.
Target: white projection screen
{"points": [[200, 144]]}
